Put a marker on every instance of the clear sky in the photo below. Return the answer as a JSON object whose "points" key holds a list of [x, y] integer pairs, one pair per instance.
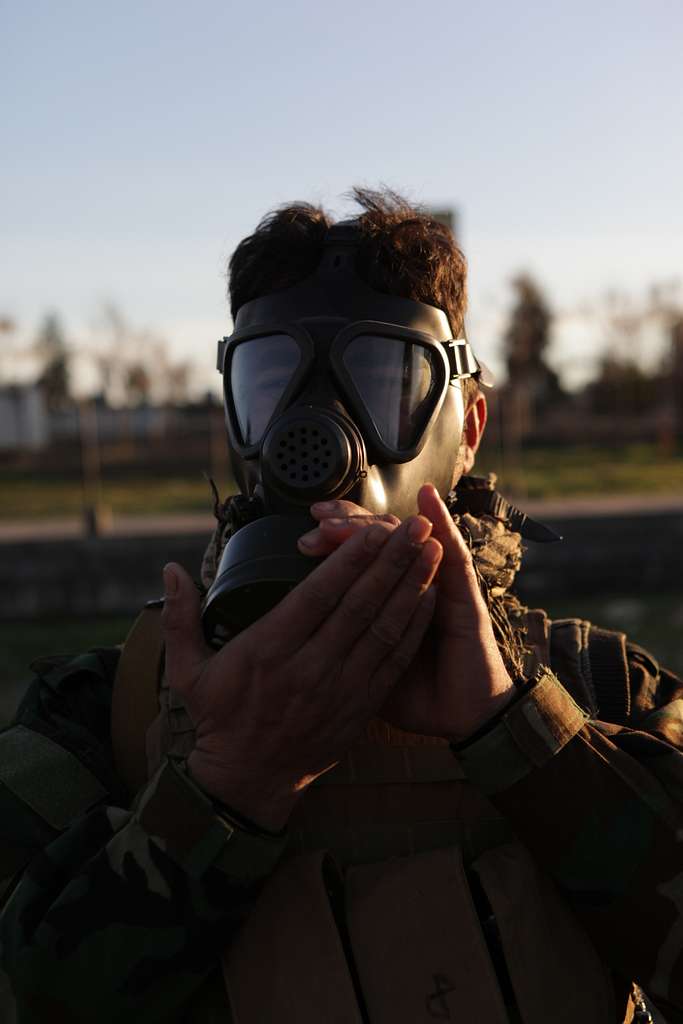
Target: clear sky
{"points": [[140, 141]]}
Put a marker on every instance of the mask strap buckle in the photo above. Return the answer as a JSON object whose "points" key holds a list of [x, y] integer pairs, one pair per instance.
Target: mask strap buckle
{"points": [[220, 354], [461, 358]]}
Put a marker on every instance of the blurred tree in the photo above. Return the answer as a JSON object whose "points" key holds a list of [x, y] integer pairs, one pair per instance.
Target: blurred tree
{"points": [[177, 382], [137, 383], [52, 349], [133, 364], [622, 386], [7, 328], [629, 381], [527, 337], [109, 351], [675, 375], [532, 387]]}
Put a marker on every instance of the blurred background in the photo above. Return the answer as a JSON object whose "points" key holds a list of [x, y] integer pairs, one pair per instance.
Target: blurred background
{"points": [[141, 142]]}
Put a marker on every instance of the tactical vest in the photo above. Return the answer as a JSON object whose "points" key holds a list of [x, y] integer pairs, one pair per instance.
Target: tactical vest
{"points": [[403, 895]]}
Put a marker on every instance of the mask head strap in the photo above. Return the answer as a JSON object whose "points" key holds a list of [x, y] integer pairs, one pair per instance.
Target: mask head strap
{"points": [[336, 290]]}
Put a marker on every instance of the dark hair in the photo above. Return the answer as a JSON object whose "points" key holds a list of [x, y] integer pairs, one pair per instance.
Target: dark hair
{"points": [[404, 251]]}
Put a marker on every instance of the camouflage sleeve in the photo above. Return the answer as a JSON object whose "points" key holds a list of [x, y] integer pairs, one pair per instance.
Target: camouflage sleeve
{"points": [[600, 807], [119, 910]]}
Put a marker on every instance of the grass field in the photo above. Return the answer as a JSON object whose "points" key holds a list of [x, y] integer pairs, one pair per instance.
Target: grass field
{"points": [[536, 473], [569, 471], [33, 498]]}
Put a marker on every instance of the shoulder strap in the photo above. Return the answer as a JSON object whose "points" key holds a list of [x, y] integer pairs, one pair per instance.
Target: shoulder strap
{"points": [[610, 674], [591, 662], [570, 662], [134, 700]]}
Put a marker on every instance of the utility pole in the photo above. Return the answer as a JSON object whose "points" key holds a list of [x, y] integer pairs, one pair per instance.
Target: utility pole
{"points": [[94, 514]]}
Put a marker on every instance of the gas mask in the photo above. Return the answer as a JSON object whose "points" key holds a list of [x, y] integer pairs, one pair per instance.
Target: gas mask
{"points": [[332, 390]]}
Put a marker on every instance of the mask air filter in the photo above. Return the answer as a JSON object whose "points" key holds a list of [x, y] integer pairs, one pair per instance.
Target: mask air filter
{"points": [[310, 454]]}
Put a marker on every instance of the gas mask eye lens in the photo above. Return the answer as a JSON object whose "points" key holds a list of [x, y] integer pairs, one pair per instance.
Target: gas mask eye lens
{"points": [[260, 371], [397, 382]]}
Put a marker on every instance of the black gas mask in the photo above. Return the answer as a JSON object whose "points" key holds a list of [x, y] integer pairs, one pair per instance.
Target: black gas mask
{"points": [[332, 390]]}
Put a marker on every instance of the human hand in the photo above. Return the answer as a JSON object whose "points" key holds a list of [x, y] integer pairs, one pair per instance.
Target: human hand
{"points": [[458, 680], [280, 703]]}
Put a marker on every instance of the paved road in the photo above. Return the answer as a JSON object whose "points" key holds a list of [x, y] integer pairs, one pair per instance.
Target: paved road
{"points": [[122, 526], [603, 505], [12, 531], [142, 525]]}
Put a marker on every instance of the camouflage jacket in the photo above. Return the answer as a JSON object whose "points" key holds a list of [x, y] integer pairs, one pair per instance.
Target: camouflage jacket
{"points": [[109, 916]]}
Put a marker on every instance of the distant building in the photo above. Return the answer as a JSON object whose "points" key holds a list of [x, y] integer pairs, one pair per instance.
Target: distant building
{"points": [[446, 215], [112, 425], [24, 422]]}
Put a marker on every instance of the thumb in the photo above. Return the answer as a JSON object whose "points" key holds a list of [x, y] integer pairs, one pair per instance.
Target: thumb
{"points": [[181, 625], [457, 576]]}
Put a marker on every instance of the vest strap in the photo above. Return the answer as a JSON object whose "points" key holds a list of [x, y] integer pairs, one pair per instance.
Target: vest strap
{"points": [[418, 944], [609, 670], [563, 972], [289, 962], [570, 661], [135, 702]]}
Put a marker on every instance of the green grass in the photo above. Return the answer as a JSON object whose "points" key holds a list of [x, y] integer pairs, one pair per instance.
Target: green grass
{"points": [[534, 473], [46, 499], [584, 470]]}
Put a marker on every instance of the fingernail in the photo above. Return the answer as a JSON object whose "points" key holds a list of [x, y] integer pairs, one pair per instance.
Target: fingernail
{"points": [[308, 539], [324, 506], [170, 581]]}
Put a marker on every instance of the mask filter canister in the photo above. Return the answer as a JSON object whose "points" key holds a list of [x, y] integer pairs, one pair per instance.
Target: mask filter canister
{"points": [[259, 566]]}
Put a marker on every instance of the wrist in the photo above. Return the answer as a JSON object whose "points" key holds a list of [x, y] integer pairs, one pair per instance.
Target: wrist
{"points": [[484, 712], [530, 732], [253, 806], [180, 818]]}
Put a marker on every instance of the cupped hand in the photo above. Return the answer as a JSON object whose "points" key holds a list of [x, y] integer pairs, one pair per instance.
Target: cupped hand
{"points": [[458, 679], [280, 703]]}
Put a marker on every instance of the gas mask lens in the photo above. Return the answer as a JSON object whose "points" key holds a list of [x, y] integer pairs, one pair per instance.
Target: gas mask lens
{"points": [[397, 382], [261, 369]]}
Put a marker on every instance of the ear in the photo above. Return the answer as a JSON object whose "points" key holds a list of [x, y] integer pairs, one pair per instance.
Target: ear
{"points": [[473, 429]]}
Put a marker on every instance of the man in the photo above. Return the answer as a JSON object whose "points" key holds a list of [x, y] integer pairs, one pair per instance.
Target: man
{"points": [[376, 802]]}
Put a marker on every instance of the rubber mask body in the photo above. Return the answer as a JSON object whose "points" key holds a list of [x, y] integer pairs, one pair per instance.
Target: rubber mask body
{"points": [[365, 404]]}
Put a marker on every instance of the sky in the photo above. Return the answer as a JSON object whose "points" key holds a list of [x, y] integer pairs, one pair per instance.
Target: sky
{"points": [[141, 141]]}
